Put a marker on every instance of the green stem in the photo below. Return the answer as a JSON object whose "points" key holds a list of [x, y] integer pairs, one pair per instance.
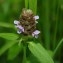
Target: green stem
{"points": [[57, 47], [24, 55], [33, 5], [27, 4]]}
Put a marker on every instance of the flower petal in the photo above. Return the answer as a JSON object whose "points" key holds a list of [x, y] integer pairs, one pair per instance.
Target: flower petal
{"points": [[33, 34], [36, 36], [36, 32], [16, 22], [36, 22], [20, 27], [36, 17], [19, 31]]}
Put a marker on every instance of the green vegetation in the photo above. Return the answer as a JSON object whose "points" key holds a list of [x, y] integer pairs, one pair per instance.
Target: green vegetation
{"points": [[48, 48]]}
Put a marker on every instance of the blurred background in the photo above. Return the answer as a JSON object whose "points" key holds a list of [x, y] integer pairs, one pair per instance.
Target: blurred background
{"points": [[50, 22]]}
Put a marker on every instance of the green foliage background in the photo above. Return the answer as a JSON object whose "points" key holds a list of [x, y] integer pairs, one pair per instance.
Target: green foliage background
{"points": [[50, 24]]}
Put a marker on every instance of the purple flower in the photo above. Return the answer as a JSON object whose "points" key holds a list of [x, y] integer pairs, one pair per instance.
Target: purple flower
{"points": [[20, 29], [35, 33], [18, 26]]}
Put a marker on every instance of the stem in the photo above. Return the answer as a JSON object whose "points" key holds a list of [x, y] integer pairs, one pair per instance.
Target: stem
{"points": [[20, 41], [24, 55], [26, 4], [57, 47], [33, 5]]}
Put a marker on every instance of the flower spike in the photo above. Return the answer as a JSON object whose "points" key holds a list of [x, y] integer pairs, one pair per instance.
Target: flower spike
{"points": [[27, 23]]}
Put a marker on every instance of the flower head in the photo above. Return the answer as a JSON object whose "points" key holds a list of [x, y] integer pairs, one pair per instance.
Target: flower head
{"points": [[27, 23]]}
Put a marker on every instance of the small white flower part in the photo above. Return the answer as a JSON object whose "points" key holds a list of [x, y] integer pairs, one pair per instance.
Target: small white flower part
{"points": [[36, 36], [36, 17], [16, 22], [19, 31], [35, 33], [36, 22]]}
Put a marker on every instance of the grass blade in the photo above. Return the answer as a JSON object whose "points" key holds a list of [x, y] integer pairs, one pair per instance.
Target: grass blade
{"points": [[33, 5], [27, 4], [46, 22], [59, 44]]}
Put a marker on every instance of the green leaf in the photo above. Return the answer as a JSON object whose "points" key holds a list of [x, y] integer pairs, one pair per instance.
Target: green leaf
{"points": [[50, 53], [9, 36], [14, 51], [6, 7], [7, 25], [32, 59], [38, 51], [7, 46]]}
